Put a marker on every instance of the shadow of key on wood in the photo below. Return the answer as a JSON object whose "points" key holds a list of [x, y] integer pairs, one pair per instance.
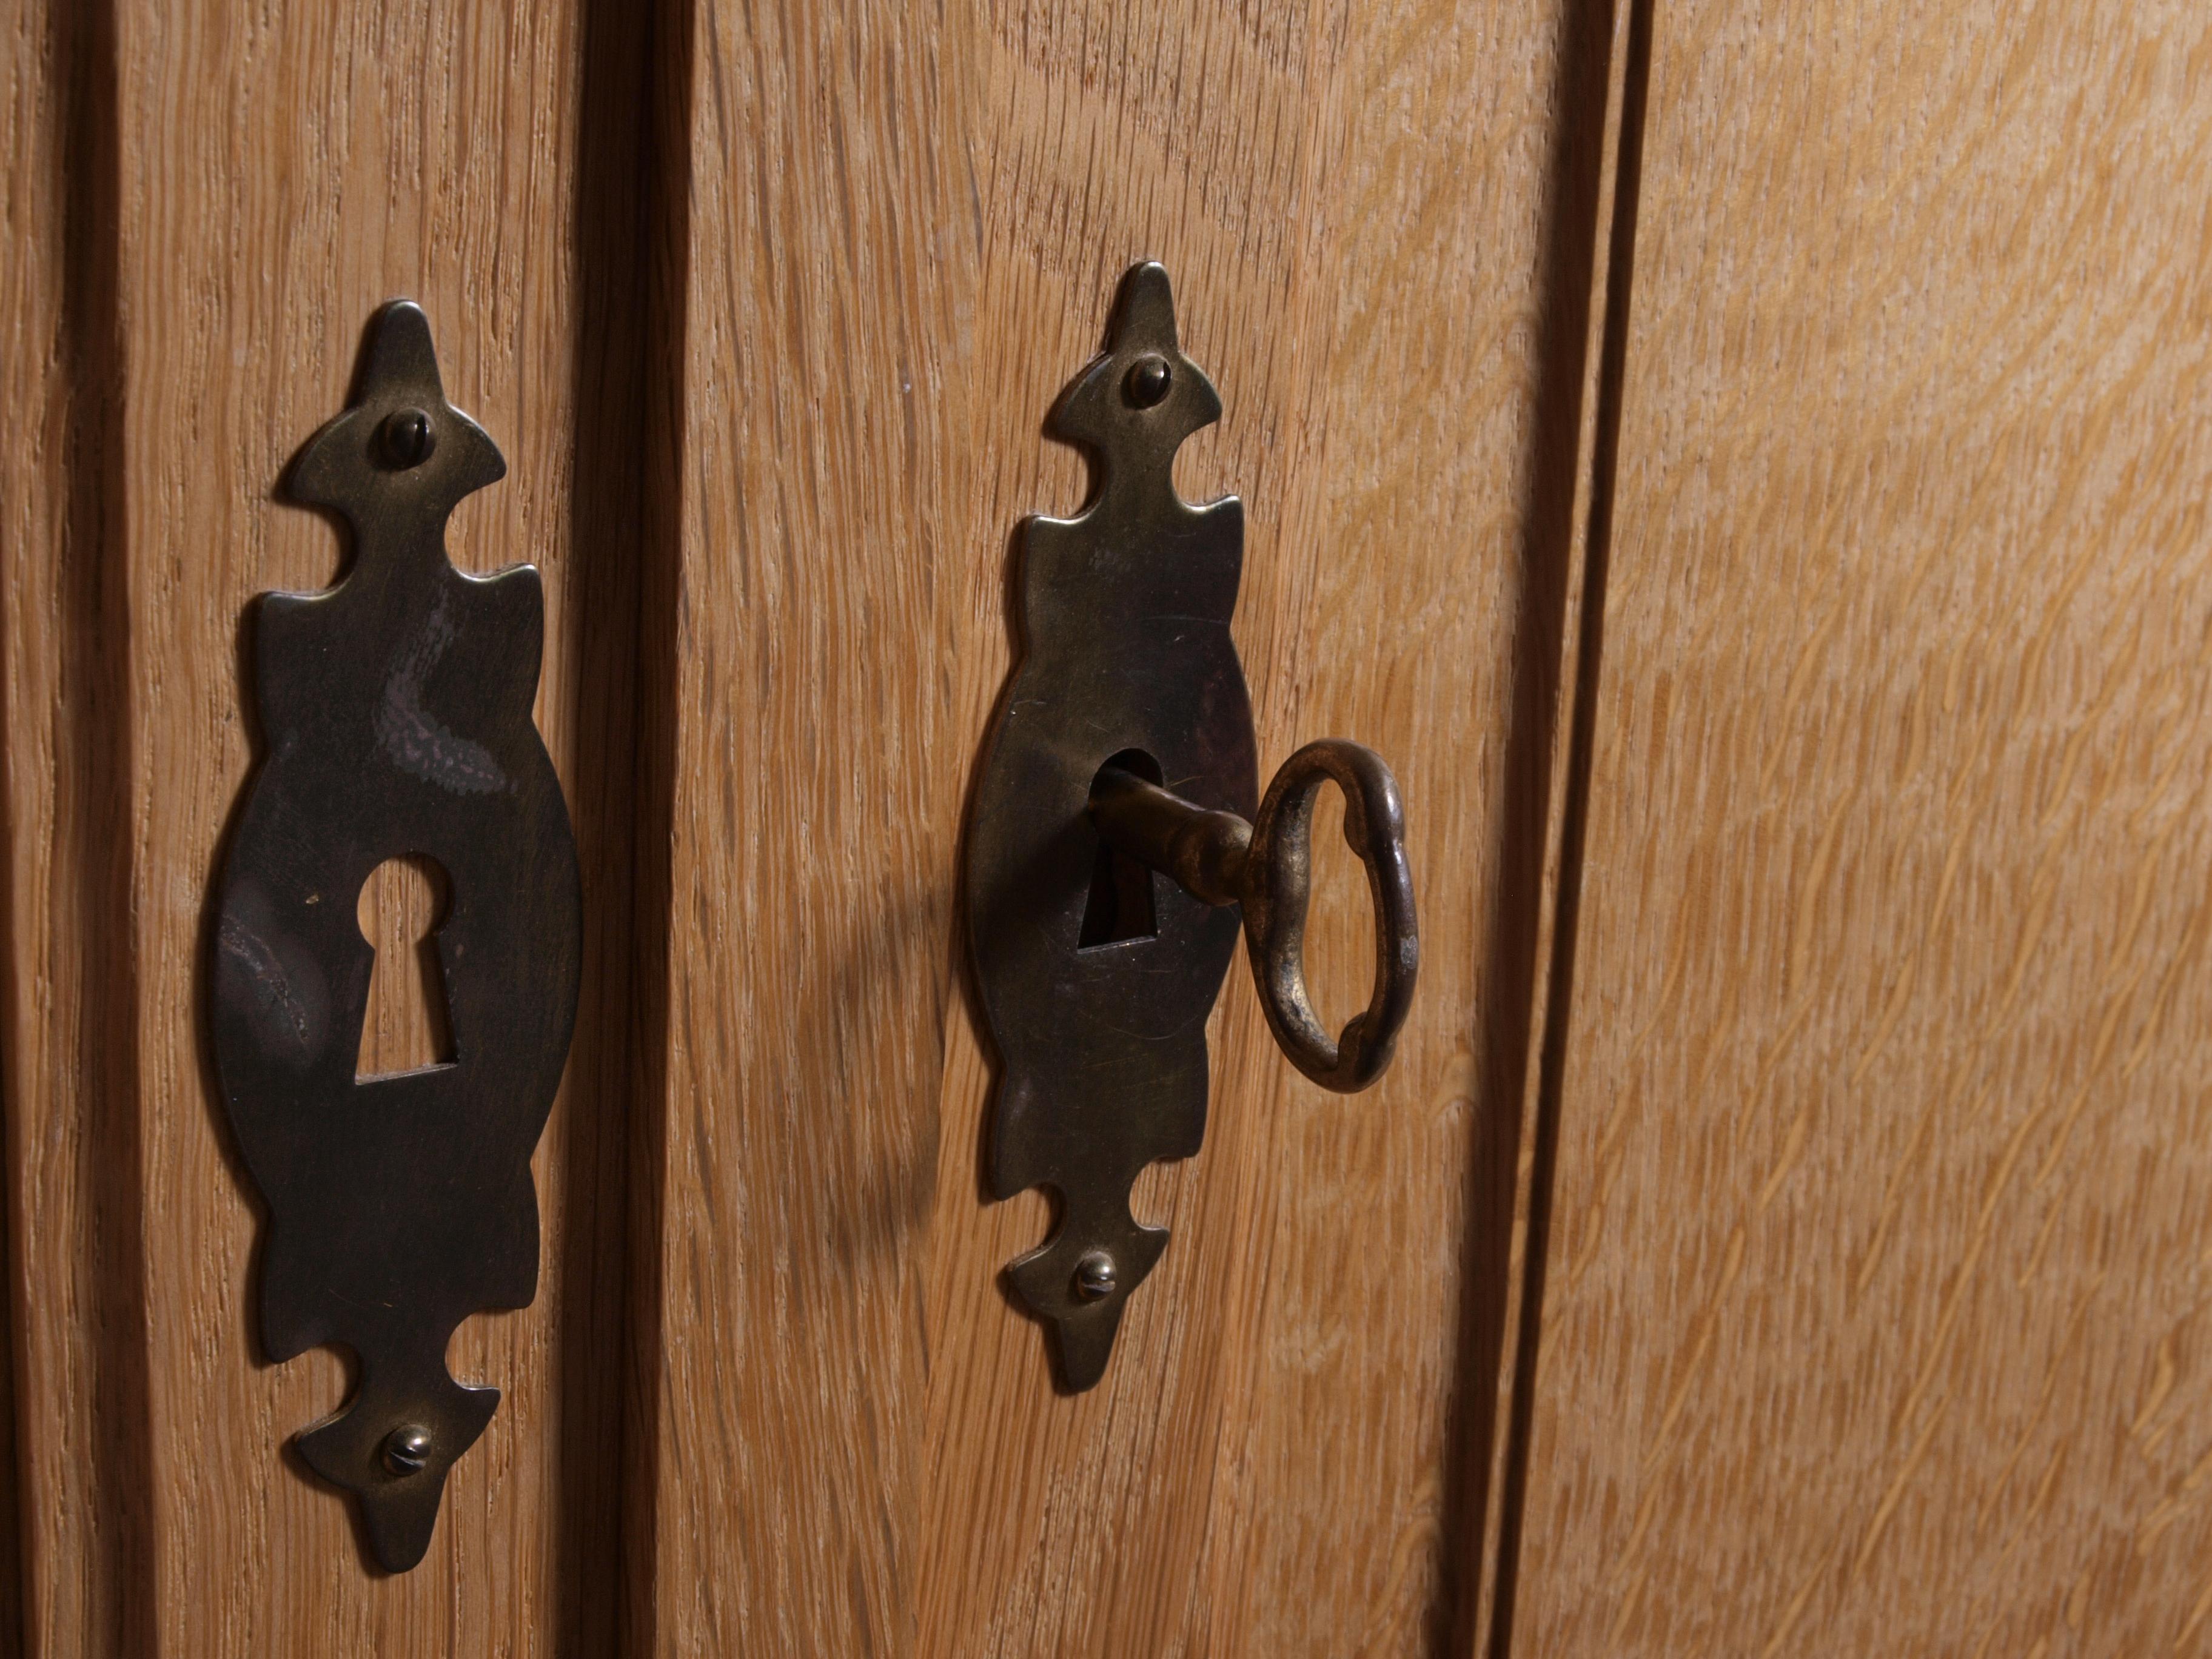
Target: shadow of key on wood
{"points": [[396, 712]]}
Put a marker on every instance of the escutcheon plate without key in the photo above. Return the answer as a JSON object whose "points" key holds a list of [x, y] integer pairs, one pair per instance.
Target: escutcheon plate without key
{"points": [[396, 712], [1125, 651]]}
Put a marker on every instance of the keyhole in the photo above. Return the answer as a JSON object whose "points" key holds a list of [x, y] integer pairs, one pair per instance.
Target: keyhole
{"points": [[406, 1026], [1120, 908]]}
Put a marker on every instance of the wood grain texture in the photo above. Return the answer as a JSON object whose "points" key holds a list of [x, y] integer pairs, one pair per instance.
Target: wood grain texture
{"points": [[1361, 258], [1606, 155], [234, 194], [765, 303], [1879, 1278], [51, 536], [905, 229], [434, 138], [814, 785]]}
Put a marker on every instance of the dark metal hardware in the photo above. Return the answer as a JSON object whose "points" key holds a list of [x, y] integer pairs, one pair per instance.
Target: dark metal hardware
{"points": [[397, 711], [1125, 746], [1267, 868]]}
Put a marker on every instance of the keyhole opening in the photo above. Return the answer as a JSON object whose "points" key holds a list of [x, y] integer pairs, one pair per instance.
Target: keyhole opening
{"points": [[1122, 908], [406, 1026]]}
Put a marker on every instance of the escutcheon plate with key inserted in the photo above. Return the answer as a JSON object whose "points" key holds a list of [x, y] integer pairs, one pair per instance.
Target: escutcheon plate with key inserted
{"points": [[1117, 832]]}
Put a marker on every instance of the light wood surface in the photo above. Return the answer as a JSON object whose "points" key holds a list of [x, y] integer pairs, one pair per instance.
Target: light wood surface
{"points": [[1878, 1274], [1285, 1455], [205, 205], [765, 305], [814, 780], [407, 1023], [905, 229]]}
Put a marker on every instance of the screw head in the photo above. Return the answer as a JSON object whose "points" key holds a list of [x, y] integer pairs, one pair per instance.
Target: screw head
{"points": [[406, 1449], [1148, 380], [1095, 1277], [408, 437]]}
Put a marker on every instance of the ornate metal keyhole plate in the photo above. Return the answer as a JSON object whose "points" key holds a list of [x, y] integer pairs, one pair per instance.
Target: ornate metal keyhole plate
{"points": [[1125, 613], [396, 709], [1124, 753]]}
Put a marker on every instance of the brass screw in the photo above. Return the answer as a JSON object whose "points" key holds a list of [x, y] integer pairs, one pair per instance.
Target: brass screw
{"points": [[1149, 377], [1095, 1277], [408, 438], [407, 1449]]}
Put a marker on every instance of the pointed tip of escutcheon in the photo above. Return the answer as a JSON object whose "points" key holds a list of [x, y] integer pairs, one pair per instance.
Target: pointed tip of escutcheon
{"points": [[399, 351], [1143, 310]]}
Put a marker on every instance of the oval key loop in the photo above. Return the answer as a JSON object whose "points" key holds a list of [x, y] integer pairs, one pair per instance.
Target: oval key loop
{"points": [[1266, 865], [1278, 881]]}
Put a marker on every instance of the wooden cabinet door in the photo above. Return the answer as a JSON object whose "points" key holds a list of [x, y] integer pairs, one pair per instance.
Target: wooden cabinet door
{"points": [[206, 203], [765, 304], [1875, 1313], [905, 227]]}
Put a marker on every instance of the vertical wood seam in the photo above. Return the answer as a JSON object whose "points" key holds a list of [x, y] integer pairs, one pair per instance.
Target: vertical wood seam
{"points": [[1620, 256], [619, 346], [96, 642], [94, 896], [663, 361], [1555, 462]]}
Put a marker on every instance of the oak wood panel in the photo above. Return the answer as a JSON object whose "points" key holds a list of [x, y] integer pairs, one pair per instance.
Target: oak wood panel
{"points": [[1485, 1618], [240, 191], [1879, 1278], [1367, 265], [432, 142], [814, 780], [905, 229]]}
